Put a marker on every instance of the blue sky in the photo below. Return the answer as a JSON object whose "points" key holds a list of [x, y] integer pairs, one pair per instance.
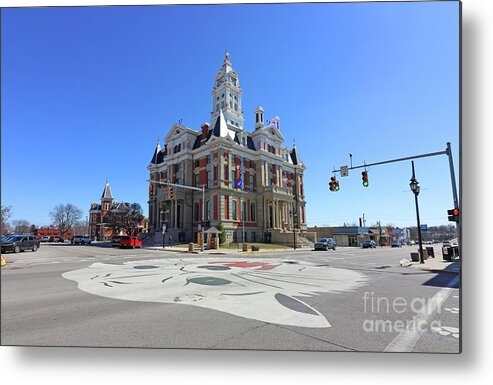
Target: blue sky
{"points": [[86, 92]]}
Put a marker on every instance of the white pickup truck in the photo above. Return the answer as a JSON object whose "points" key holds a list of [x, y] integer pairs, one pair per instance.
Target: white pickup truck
{"points": [[81, 239]]}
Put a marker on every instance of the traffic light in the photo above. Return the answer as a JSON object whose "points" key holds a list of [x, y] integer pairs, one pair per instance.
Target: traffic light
{"points": [[453, 215], [332, 183], [364, 177], [336, 185], [170, 192]]}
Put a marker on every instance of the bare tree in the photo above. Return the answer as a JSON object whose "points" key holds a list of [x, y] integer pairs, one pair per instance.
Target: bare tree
{"points": [[21, 226], [64, 217], [6, 214], [133, 219], [80, 227]]}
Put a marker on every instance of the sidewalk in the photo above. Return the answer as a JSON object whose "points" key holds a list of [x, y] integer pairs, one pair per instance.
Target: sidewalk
{"points": [[222, 251], [438, 265]]}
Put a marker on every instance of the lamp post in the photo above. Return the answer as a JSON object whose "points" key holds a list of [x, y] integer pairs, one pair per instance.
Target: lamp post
{"points": [[162, 225], [414, 184]]}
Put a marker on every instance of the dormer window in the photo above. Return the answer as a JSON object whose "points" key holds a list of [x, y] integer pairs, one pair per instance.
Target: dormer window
{"points": [[243, 141]]}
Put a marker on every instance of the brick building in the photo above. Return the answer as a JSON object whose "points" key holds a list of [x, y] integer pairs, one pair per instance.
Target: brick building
{"points": [[106, 217], [253, 184]]}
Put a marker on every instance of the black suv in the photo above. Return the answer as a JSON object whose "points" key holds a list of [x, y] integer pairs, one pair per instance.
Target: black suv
{"points": [[325, 244], [17, 243]]}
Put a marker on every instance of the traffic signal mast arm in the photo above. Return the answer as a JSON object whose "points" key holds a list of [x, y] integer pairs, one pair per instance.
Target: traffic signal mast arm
{"points": [[447, 152], [203, 202], [175, 185]]}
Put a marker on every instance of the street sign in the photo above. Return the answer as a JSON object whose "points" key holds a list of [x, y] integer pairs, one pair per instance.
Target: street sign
{"points": [[344, 171], [424, 227]]}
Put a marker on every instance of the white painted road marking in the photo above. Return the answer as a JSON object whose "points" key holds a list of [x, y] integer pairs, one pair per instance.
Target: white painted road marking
{"points": [[405, 341]]}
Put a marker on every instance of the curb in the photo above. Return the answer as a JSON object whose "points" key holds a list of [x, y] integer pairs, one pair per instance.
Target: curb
{"points": [[431, 270]]}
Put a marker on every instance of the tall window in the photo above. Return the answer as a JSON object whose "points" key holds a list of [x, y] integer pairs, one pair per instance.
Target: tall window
{"points": [[251, 183], [252, 212], [243, 211], [235, 210], [208, 158], [226, 171], [197, 180], [215, 172], [209, 181], [208, 210], [196, 212]]}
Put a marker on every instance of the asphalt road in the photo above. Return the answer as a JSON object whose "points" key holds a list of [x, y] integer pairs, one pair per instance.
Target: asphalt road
{"points": [[344, 300]]}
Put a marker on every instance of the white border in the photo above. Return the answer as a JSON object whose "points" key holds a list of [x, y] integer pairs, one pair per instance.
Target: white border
{"points": [[131, 366]]}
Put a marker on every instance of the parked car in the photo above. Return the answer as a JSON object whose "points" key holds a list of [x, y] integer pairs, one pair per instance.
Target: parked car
{"points": [[81, 239], [115, 241], [369, 244], [45, 238], [56, 238], [18, 242], [131, 242], [396, 244], [325, 244]]}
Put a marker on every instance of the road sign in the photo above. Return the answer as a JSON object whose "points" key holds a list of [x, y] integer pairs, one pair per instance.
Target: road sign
{"points": [[424, 227], [344, 171]]}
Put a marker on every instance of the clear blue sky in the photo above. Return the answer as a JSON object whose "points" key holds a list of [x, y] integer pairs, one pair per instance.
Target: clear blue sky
{"points": [[86, 92]]}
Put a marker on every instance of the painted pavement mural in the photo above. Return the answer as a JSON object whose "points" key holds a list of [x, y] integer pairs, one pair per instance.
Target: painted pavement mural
{"points": [[268, 291]]}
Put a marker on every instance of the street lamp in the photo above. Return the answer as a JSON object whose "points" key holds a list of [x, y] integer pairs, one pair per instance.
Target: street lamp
{"points": [[414, 184], [295, 215], [162, 225]]}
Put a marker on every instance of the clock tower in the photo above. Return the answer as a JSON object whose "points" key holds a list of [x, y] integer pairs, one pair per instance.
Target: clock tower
{"points": [[226, 96]]}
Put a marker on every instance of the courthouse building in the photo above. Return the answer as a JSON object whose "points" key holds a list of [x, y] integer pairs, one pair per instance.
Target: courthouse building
{"points": [[253, 184]]}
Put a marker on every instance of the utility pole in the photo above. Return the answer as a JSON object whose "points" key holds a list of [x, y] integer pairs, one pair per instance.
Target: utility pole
{"points": [[379, 233]]}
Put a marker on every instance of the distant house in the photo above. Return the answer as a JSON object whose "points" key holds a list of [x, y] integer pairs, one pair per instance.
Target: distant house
{"points": [[106, 218]]}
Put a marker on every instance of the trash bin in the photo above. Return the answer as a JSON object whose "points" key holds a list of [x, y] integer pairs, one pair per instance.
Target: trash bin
{"points": [[190, 246], [415, 257], [447, 253], [431, 252], [456, 251], [245, 247]]}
